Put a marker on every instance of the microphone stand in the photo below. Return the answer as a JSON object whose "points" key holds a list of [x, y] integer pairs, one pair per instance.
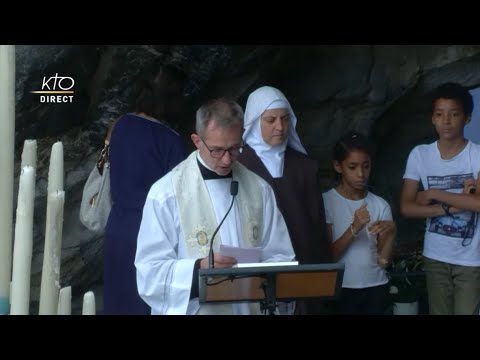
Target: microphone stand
{"points": [[233, 192], [269, 288]]}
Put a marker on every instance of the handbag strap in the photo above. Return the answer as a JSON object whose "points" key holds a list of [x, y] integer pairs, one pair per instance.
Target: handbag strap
{"points": [[104, 158]]}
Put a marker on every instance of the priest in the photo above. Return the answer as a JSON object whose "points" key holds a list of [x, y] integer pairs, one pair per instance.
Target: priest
{"points": [[184, 208]]}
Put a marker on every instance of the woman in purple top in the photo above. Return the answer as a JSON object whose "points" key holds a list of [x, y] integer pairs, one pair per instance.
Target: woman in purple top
{"points": [[142, 150]]}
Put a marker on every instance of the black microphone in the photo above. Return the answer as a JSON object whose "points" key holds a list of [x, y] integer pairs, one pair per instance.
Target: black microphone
{"points": [[233, 192]]}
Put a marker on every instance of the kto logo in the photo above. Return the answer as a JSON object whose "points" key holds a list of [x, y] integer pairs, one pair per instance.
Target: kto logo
{"points": [[56, 89]]}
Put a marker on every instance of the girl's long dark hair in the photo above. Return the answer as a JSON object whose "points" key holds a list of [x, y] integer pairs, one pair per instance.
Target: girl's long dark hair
{"points": [[348, 142], [351, 141]]}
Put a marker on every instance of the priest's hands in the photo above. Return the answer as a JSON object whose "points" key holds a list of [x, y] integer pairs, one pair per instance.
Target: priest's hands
{"points": [[220, 262]]}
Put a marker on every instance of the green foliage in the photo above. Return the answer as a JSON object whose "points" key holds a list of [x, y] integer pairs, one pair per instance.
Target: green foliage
{"points": [[408, 263], [407, 280]]}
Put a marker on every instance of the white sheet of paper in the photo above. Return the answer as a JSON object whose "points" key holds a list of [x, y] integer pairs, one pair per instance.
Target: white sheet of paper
{"points": [[283, 263], [242, 255]]}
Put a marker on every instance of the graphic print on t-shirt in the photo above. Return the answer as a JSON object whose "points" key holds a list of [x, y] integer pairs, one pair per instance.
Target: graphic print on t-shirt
{"points": [[460, 225]]}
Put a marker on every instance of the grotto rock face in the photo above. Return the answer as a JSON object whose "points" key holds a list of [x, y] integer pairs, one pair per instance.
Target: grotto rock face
{"points": [[379, 90]]}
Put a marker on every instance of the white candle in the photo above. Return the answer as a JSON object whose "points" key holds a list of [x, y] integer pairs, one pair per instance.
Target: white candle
{"points": [[50, 284], [55, 170], [7, 142], [22, 248], [89, 304], [65, 301], [29, 154]]}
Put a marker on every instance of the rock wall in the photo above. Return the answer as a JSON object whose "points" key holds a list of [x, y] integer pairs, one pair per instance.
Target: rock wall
{"points": [[379, 90]]}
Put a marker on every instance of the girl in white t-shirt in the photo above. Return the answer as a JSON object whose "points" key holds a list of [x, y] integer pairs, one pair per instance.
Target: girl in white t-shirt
{"points": [[360, 228]]}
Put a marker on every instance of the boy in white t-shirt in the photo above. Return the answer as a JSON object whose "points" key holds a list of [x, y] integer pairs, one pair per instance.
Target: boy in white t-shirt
{"points": [[446, 169]]}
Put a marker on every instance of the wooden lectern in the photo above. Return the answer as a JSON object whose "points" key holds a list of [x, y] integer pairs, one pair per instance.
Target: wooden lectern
{"points": [[269, 284]]}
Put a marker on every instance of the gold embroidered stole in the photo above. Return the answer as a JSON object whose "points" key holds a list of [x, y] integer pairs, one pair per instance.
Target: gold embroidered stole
{"points": [[197, 216]]}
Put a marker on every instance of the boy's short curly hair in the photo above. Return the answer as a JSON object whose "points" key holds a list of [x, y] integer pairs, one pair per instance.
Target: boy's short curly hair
{"points": [[456, 92]]}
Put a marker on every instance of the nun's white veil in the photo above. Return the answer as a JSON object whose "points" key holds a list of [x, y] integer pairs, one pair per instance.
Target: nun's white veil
{"points": [[258, 102]]}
